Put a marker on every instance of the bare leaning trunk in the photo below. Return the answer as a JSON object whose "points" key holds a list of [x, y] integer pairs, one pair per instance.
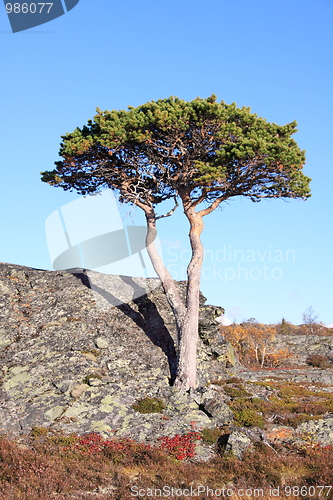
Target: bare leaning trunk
{"points": [[167, 281]]}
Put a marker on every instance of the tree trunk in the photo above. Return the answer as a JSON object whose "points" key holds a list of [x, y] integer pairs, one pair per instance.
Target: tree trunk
{"points": [[187, 354], [168, 284], [186, 316], [256, 348]]}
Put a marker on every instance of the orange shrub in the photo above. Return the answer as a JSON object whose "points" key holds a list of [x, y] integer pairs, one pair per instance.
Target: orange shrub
{"points": [[252, 342]]}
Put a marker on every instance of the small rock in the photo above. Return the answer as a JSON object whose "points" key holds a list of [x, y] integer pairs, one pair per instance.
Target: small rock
{"points": [[90, 356], [237, 442], [101, 343], [63, 385], [78, 390], [203, 453], [55, 412], [95, 382], [106, 490], [218, 409], [320, 431]]}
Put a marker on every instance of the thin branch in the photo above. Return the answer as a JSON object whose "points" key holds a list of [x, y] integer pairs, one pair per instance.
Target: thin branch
{"points": [[171, 211], [212, 207]]}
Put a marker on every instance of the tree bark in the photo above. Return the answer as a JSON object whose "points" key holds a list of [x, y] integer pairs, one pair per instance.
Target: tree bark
{"points": [[186, 316], [187, 354], [168, 284]]}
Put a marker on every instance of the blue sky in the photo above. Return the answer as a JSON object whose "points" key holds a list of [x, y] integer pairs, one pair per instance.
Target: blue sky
{"points": [[265, 260]]}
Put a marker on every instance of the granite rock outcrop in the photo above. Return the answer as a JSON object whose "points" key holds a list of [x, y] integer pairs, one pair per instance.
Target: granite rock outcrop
{"points": [[81, 351], [78, 349]]}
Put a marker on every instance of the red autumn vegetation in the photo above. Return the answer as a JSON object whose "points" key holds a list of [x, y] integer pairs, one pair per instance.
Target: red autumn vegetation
{"points": [[52, 465]]}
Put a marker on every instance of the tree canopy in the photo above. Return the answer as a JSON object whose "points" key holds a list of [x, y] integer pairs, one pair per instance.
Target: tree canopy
{"points": [[214, 150]]}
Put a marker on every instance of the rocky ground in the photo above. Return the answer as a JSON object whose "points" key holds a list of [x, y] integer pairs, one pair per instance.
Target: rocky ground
{"points": [[84, 352]]}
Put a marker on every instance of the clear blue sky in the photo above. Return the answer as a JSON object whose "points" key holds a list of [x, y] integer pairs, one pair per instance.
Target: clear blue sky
{"points": [[275, 57]]}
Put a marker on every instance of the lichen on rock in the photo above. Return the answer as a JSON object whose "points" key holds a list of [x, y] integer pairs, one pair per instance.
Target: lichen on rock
{"points": [[70, 364]]}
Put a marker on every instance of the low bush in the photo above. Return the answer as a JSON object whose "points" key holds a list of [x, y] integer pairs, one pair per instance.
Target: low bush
{"points": [[39, 431], [210, 436], [249, 418], [236, 392], [296, 419], [234, 380], [178, 446], [248, 412], [318, 361], [293, 403], [149, 405]]}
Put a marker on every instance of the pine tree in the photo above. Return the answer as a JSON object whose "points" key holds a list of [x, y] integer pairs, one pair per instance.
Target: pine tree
{"points": [[200, 153]]}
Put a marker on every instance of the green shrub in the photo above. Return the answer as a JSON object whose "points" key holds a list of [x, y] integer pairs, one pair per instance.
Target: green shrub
{"points": [[236, 392], [61, 439], [249, 418], [149, 405], [248, 412], [39, 431], [210, 436]]}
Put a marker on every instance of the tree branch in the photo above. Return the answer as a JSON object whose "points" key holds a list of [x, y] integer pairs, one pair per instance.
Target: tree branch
{"points": [[170, 212]]}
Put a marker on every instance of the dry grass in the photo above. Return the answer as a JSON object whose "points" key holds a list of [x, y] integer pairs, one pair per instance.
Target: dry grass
{"points": [[48, 466]]}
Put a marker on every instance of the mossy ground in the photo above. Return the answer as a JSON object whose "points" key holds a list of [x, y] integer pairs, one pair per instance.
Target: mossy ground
{"points": [[294, 403], [149, 405], [289, 403]]}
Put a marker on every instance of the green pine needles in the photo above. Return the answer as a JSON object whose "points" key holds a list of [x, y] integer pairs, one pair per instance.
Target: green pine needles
{"points": [[150, 152]]}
